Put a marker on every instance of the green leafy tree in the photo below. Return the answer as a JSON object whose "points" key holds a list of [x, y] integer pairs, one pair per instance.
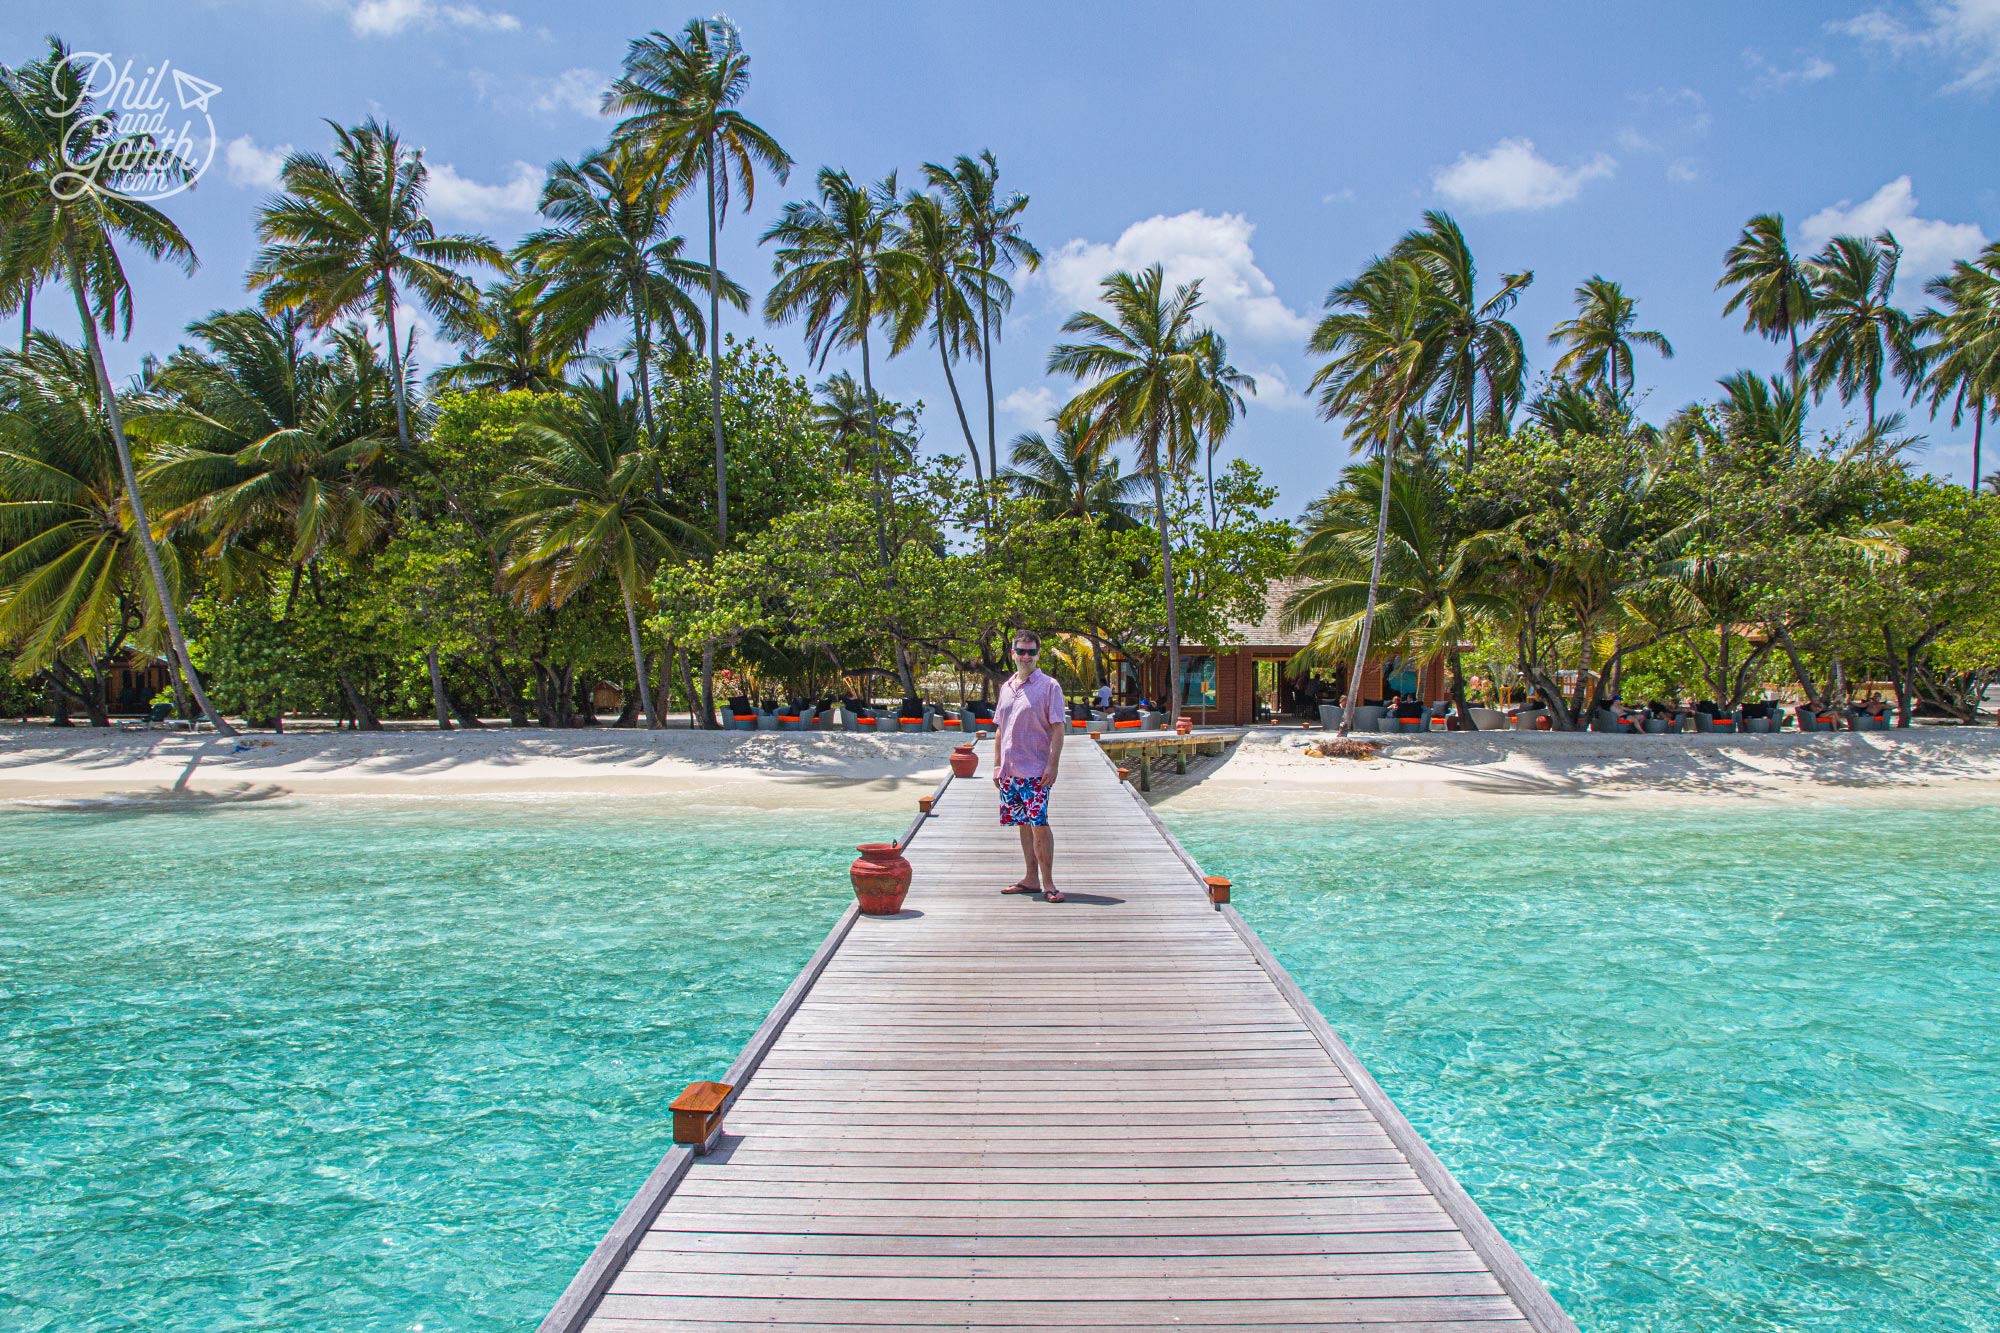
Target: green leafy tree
{"points": [[1961, 352], [678, 96], [1771, 286], [511, 342], [64, 215], [1075, 475]]}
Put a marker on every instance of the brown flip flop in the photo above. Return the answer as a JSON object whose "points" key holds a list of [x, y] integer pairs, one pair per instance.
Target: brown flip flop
{"points": [[1018, 887]]}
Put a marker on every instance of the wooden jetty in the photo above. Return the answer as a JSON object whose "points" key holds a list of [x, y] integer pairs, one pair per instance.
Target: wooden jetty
{"points": [[993, 1112]]}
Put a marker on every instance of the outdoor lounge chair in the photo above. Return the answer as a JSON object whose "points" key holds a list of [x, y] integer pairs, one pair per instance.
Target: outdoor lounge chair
{"points": [[1861, 720], [1608, 721], [1127, 719], [1488, 719], [1811, 720], [1152, 721], [1709, 719], [1532, 719], [742, 714], [977, 716]]}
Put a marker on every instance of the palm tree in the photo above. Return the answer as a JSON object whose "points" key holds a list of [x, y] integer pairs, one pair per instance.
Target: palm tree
{"points": [[512, 342], [610, 253], [849, 417], [1385, 334], [1144, 365], [346, 231], [1074, 476], [71, 566], [258, 440], [584, 503], [1429, 587], [1481, 344], [1601, 336], [1858, 331], [1962, 356], [1770, 413], [1773, 285], [678, 96], [1227, 386], [837, 270], [970, 188], [60, 141], [944, 285]]}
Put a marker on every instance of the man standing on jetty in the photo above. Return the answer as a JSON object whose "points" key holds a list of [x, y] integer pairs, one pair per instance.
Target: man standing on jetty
{"points": [[1028, 725]]}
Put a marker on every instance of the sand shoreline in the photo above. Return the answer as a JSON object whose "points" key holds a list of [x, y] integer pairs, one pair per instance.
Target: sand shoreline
{"points": [[1267, 769]]}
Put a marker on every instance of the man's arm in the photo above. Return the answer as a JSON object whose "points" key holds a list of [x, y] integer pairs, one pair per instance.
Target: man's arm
{"points": [[1055, 759], [999, 736]]}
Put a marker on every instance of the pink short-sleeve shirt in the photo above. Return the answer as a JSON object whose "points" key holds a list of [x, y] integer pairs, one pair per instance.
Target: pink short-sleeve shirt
{"points": [[1029, 715]]}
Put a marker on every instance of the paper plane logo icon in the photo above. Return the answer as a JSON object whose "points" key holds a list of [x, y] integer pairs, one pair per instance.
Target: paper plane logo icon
{"points": [[194, 93]]}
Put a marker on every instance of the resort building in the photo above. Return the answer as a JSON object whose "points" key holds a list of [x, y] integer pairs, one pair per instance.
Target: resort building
{"points": [[1252, 678]]}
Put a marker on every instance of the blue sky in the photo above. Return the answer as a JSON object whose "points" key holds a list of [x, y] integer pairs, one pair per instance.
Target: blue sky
{"points": [[1270, 149]]}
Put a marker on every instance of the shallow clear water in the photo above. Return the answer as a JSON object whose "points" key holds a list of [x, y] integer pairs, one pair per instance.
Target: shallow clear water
{"points": [[1707, 1069], [366, 1065]]}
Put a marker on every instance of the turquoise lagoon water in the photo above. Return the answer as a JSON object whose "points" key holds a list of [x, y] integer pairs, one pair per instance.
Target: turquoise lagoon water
{"points": [[395, 1066], [1708, 1069], [365, 1066]]}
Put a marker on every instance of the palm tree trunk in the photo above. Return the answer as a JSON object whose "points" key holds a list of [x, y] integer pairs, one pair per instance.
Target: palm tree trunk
{"points": [[161, 592], [715, 371], [395, 362], [438, 701], [1458, 699], [707, 709], [28, 318], [1978, 430], [1214, 521], [951, 382], [986, 360], [638, 657], [875, 453], [1872, 390], [1173, 690], [641, 342], [1374, 584], [1471, 404]]}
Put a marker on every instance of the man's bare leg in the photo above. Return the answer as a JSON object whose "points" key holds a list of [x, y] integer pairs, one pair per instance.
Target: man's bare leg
{"points": [[1045, 859], [1028, 877]]}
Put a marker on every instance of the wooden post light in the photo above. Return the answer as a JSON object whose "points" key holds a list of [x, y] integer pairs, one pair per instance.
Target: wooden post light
{"points": [[1218, 890], [924, 804], [698, 1115]]}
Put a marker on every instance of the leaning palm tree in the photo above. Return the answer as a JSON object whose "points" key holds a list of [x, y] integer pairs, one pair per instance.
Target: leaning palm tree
{"points": [[1768, 413], [1483, 367], [60, 207], [970, 189], [1858, 333], [585, 504], [346, 231], [72, 569], [944, 286], [1431, 593], [1773, 286], [1385, 334], [1227, 385], [678, 97], [1962, 351], [610, 253], [1601, 336], [1143, 363], [1074, 476]]}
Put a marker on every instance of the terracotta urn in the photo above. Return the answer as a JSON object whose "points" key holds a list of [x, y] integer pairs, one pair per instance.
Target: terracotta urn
{"points": [[1183, 726], [964, 761], [881, 876]]}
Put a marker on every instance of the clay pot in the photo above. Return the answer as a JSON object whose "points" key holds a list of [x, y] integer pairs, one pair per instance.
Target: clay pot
{"points": [[964, 761], [881, 877], [1183, 726]]}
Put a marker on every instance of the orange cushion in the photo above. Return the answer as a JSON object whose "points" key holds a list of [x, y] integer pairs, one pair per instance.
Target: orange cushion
{"points": [[864, 721], [744, 717], [1124, 726]]}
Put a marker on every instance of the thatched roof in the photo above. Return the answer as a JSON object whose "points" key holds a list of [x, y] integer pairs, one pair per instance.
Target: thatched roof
{"points": [[1264, 632]]}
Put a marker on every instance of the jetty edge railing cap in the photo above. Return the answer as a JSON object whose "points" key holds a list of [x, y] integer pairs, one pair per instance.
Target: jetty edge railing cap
{"points": [[580, 1298], [1516, 1278]]}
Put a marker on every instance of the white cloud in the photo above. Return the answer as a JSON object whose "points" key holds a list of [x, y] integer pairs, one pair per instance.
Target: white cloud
{"points": [[1237, 297], [1771, 78], [387, 18], [1511, 176], [1963, 32], [456, 196], [580, 90], [1683, 171], [1341, 196], [253, 167], [1034, 404], [1274, 388], [1929, 245]]}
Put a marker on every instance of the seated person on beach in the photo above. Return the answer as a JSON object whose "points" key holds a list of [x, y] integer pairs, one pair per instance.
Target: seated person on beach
{"points": [[1409, 709]]}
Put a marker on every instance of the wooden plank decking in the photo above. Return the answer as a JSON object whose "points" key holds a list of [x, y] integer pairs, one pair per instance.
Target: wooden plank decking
{"points": [[994, 1112]]}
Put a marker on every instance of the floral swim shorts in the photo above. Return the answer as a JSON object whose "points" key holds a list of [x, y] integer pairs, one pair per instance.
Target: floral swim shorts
{"points": [[1024, 801]]}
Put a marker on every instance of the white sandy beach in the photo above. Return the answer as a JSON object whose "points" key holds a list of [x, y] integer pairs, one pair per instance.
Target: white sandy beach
{"points": [[1269, 767]]}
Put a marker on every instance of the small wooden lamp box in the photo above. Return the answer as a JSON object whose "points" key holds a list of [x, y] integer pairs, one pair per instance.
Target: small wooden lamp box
{"points": [[698, 1115], [1218, 889]]}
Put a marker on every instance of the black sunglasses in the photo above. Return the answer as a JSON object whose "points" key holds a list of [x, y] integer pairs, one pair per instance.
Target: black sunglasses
{"points": [[1027, 652]]}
